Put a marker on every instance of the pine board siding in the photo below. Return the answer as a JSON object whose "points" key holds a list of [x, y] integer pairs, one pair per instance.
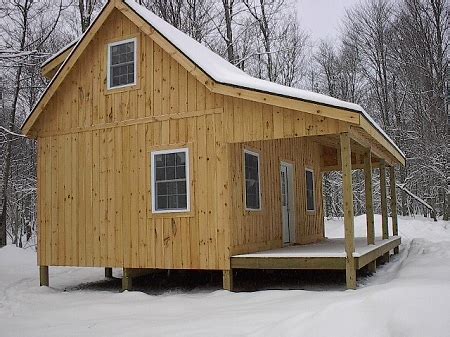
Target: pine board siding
{"points": [[94, 164], [259, 230]]}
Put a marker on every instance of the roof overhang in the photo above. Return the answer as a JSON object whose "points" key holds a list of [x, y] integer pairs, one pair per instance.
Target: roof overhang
{"points": [[51, 65]]}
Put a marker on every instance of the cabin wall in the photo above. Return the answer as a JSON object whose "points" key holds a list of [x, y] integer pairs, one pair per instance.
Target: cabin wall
{"points": [[94, 164], [258, 230]]}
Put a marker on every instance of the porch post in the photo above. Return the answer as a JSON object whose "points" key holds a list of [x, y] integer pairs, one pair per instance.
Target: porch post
{"points": [[346, 160], [393, 205], [368, 186], [369, 197], [384, 212]]}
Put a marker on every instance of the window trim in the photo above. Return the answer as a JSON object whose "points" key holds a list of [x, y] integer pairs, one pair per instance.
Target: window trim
{"points": [[108, 69], [257, 155], [308, 169], [153, 181]]}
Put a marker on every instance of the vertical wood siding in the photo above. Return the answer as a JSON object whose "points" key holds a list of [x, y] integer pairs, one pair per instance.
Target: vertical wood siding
{"points": [[258, 230], [94, 164]]}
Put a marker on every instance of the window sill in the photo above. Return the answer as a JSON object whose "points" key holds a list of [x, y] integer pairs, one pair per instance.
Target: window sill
{"points": [[187, 214], [121, 89]]}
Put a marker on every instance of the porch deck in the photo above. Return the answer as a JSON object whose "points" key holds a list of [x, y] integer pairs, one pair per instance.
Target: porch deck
{"points": [[327, 254]]}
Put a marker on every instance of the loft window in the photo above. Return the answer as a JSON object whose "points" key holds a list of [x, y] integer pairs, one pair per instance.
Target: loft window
{"points": [[310, 193], [252, 181], [122, 64], [170, 181]]}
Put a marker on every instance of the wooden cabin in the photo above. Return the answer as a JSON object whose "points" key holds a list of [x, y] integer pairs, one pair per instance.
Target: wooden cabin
{"points": [[156, 153]]}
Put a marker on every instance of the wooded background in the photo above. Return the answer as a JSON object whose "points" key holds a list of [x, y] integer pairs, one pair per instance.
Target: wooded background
{"points": [[391, 57]]}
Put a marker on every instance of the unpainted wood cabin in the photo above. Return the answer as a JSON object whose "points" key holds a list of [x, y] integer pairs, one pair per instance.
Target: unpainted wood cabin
{"points": [[155, 153]]}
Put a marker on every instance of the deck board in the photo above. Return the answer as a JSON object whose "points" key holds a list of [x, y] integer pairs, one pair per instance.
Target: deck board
{"points": [[327, 254]]}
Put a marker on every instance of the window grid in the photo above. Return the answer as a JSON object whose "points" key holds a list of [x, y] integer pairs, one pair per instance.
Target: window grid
{"points": [[170, 181], [122, 64]]}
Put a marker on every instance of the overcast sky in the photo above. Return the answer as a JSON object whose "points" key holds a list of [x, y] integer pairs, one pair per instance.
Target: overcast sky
{"points": [[320, 18]]}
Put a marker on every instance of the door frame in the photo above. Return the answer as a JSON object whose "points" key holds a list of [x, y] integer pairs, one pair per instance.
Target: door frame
{"points": [[292, 200]]}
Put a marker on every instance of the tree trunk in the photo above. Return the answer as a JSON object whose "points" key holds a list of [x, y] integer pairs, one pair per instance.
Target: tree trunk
{"points": [[228, 9]]}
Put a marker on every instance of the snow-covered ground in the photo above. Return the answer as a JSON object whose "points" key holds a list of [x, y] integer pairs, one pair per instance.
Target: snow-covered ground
{"points": [[408, 297]]}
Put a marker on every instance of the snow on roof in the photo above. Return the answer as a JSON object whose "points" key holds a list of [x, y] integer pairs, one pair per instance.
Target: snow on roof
{"points": [[224, 72], [59, 52]]}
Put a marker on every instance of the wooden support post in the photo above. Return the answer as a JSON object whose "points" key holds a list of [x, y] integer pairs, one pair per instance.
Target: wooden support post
{"points": [[43, 276], [127, 280], [369, 198], [108, 273], [228, 279], [372, 267], [130, 273], [384, 212], [346, 159], [393, 205]]}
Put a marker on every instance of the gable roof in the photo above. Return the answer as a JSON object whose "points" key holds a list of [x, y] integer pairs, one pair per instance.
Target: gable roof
{"points": [[211, 65]]}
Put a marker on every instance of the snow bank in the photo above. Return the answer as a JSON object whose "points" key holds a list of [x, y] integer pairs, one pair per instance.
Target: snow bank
{"points": [[408, 297]]}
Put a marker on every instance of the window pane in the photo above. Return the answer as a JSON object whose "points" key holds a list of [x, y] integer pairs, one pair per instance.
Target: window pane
{"points": [[181, 158], [173, 202], [181, 172], [170, 159], [182, 201], [181, 187], [170, 173], [309, 180], [160, 173], [310, 203], [162, 202], [172, 188], [159, 160], [252, 181], [161, 189]]}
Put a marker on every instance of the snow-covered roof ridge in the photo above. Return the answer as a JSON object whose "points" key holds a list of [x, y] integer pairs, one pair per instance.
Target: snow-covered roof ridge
{"points": [[224, 72]]}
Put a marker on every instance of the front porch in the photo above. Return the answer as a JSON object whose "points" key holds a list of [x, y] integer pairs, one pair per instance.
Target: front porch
{"points": [[344, 152], [328, 254]]}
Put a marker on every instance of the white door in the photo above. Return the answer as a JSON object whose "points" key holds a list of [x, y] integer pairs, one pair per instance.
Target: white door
{"points": [[287, 202]]}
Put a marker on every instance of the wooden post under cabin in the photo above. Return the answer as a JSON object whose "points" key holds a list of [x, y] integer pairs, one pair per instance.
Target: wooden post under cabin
{"points": [[368, 186], [43, 276], [228, 279], [384, 211], [108, 272], [346, 159], [393, 205], [127, 280]]}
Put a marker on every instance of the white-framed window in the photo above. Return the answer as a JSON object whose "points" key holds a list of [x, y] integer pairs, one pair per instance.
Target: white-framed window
{"points": [[170, 181], [310, 192], [122, 63], [252, 181]]}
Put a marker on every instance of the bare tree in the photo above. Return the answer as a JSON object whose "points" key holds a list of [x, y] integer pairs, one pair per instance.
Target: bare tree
{"points": [[86, 9], [25, 30]]}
